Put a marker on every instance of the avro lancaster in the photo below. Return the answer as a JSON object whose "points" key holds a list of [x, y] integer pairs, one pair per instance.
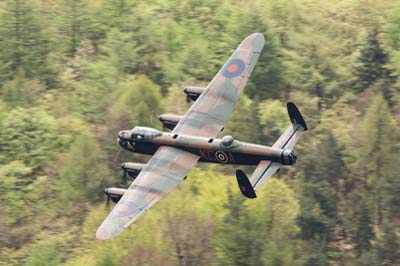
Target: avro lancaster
{"points": [[193, 139]]}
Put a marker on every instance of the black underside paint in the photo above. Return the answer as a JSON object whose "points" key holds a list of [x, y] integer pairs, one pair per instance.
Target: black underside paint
{"points": [[209, 156]]}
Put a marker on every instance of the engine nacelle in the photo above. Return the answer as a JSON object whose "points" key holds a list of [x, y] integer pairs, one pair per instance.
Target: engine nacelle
{"points": [[169, 121], [114, 194], [193, 92], [132, 169]]}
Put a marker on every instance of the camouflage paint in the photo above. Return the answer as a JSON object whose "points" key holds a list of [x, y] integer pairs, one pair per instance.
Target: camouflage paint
{"points": [[206, 118]]}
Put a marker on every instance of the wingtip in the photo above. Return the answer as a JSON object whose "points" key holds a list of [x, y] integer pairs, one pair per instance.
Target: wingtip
{"points": [[107, 231]]}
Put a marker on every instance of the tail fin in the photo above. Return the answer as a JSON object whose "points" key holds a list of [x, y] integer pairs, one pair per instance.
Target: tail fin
{"points": [[289, 138], [291, 135]]}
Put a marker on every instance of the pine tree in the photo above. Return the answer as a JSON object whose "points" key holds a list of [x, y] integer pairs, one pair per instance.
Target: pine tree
{"points": [[360, 220], [74, 23], [372, 63], [377, 135], [388, 245], [23, 43], [319, 199], [238, 238]]}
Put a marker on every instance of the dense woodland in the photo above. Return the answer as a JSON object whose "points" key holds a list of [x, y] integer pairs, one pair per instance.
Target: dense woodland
{"points": [[74, 72]]}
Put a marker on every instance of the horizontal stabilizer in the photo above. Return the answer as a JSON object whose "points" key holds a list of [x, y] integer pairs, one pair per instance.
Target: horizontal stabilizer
{"points": [[265, 169], [244, 185], [263, 172]]}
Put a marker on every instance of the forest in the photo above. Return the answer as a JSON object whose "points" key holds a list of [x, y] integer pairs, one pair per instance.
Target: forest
{"points": [[74, 72]]}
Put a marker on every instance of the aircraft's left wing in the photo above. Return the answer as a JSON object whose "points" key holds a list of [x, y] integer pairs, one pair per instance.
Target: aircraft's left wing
{"points": [[207, 116], [165, 170]]}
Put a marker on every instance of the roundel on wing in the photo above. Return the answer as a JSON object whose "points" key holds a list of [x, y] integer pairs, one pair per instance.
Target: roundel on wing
{"points": [[233, 68]]}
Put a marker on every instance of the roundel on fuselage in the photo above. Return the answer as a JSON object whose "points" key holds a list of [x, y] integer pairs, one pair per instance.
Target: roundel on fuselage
{"points": [[233, 68], [221, 156]]}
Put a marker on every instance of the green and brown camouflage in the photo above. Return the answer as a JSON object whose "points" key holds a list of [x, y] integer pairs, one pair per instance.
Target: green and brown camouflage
{"points": [[208, 115]]}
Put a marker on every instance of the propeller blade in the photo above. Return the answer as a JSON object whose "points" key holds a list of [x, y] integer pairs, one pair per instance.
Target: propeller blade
{"points": [[124, 177], [107, 207]]}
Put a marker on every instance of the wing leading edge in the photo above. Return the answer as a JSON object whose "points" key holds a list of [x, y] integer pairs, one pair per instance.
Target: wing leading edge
{"points": [[165, 170]]}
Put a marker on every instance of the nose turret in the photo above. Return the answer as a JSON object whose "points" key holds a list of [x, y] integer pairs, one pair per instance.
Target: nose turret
{"points": [[124, 135], [124, 140]]}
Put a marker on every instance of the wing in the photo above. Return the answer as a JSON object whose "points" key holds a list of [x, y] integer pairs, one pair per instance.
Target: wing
{"points": [[209, 113], [165, 170]]}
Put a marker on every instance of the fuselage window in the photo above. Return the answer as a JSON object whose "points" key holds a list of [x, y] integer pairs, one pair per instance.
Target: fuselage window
{"points": [[210, 140], [175, 136]]}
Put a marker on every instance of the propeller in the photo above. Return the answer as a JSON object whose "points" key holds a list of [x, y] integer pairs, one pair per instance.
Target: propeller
{"points": [[124, 177], [107, 206]]}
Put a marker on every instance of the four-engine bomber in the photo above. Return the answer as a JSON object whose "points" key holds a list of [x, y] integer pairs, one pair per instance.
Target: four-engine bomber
{"points": [[193, 138]]}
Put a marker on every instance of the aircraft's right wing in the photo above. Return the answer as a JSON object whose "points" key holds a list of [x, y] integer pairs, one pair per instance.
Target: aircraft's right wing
{"points": [[209, 113]]}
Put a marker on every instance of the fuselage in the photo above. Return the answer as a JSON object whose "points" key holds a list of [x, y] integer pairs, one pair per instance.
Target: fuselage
{"points": [[212, 150]]}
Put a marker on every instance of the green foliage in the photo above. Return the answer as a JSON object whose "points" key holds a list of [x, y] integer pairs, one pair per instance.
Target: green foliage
{"points": [[262, 232], [388, 246], [392, 29], [23, 43], [13, 182], [138, 103], [29, 135], [73, 73], [372, 62], [83, 173], [107, 260], [47, 256]]}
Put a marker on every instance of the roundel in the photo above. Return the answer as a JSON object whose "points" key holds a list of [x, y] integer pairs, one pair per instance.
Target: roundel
{"points": [[221, 156], [233, 68]]}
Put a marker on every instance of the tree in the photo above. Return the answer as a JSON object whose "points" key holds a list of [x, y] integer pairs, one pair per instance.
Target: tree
{"points": [[377, 136], [360, 222], [23, 44], [83, 173], [372, 63], [392, 30], [268, 78], [191, 238], [244, 117], [388, 245], [319, 195], [29, 135], [391, 203], [139, 103], [238, 240], [47, 255], [74, 23]]}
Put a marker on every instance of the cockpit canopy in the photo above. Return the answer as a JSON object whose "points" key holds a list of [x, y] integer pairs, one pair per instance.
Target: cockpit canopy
{"points": [[144, 133]]}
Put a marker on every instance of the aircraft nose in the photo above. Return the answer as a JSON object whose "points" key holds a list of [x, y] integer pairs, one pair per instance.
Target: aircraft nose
{"points": [[123, 135]]}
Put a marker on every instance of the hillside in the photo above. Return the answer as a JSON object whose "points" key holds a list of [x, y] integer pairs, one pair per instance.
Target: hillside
{"points": [[74, 72]]}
